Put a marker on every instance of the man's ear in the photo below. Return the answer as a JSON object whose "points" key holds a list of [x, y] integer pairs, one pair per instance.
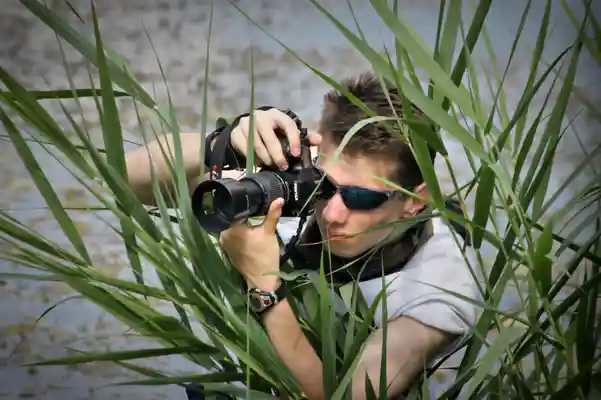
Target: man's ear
{"points": [[412, 205]]}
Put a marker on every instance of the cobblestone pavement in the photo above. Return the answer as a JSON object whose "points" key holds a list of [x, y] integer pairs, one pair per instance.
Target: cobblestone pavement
{"points": [[178, 30]]}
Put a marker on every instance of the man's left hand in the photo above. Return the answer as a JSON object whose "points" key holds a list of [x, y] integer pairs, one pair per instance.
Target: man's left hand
{"points": [[254, 250]]}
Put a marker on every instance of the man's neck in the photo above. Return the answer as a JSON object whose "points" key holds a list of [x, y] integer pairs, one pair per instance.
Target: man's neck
{"points": [[389, 256]]}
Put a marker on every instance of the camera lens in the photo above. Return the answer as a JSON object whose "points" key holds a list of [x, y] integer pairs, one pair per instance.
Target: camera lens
{"points": [[234, 200]]}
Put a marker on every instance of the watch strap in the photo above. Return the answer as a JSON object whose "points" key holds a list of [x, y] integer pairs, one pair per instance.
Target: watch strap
{"points": [[262, 300]]}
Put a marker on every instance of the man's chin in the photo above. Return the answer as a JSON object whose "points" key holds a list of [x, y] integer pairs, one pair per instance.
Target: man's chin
{"points": [[343, 250]]}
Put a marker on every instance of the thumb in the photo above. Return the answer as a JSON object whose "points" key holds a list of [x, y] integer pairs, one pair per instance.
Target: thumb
{"points": [[274, 213]]}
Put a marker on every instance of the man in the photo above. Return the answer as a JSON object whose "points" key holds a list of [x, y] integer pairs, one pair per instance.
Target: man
{"points": [[423, 321]]}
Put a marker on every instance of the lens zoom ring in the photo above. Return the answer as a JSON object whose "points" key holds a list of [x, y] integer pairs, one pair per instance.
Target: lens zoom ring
{"points": [[273, 185]]}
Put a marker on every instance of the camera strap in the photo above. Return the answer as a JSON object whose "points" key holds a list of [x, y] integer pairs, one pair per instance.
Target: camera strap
{"points": [[219, 152]]}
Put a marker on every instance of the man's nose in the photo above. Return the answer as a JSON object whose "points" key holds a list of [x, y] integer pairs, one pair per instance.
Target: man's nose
{"points": [[335, 210]]}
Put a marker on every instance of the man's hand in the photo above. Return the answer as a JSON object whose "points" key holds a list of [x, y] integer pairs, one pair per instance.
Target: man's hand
{"points": [[268, 148], [254, 250]]}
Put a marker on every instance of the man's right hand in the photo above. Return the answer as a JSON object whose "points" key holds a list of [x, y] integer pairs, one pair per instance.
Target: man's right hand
{"points": [[268, 149]]}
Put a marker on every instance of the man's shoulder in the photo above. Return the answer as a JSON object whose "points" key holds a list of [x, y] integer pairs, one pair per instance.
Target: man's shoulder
{"points": [[443, 253], [443, 258], [445, 242], [427, 287]]}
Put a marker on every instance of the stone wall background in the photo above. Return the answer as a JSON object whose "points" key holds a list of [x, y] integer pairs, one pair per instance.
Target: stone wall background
{"points": [[178, 29]]}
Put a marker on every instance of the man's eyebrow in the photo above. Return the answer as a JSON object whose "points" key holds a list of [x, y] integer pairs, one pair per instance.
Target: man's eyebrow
{"points": [[329, 178]]}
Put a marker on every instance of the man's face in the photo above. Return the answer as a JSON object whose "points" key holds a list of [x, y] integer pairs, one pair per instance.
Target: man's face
{"points": [[336, 221]]}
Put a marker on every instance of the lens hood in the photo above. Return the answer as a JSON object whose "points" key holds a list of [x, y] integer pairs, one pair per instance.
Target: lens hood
{"points": [[223, 205]]}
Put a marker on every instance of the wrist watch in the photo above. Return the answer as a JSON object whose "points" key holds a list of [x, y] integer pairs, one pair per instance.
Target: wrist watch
{"points": [[261, 300]]}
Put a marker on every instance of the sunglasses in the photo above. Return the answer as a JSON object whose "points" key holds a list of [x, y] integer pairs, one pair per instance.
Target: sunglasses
{"points": [[354, 197]]}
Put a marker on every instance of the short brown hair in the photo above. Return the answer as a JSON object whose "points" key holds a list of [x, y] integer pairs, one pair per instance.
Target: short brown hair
{"points": [[340, 114]]}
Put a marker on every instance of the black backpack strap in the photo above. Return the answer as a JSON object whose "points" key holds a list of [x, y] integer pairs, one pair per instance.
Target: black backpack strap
{"points": [[453, 205]]}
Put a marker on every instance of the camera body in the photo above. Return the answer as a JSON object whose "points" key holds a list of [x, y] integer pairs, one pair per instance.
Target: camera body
{"points": [[300, 180], [217, 203]]}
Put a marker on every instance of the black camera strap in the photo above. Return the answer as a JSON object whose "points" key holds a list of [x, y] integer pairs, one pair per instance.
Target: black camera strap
{"points": [[221, 155]]}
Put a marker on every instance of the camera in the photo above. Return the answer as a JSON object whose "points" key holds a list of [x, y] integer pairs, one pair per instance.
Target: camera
{"points": [[217, 203]]}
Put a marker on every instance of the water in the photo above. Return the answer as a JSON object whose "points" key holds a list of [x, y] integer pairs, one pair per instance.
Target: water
{"points": [[178, 30]]}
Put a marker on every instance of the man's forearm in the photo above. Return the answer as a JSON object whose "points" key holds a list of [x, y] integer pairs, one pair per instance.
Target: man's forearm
{"points": [[157, 156], [296, 352], [294, 349], [410, 345]]}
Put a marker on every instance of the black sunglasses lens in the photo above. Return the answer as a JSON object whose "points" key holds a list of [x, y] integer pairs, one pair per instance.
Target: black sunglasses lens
{"points": [[356, 198], [327, 189]]}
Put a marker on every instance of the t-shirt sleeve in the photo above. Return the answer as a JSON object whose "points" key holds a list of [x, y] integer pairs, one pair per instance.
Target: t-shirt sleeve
{"points": [[429, 288]]}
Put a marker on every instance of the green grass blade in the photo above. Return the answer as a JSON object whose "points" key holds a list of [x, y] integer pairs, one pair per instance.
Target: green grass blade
{"points": [[444, 51], [64, 94], [424, 60], [586, 320], [414, 94], [211, 388], [536, 56], [328, 343], [484, 199], [473, 34], [128, 355], [250, 149], [526, 346], [500, 144], [111, 124], [528, 141], [501, 259], [422, 156], [215, 377], [205, 93], [437, 40], [542, 271], [572, 265], [113, 139], [502, 109], [31, 111], [86, 49], [553, 130], [525, 101], [45, 188], [350, 6], [16, 230], [496, 349], [592, 44], [383, 384]]}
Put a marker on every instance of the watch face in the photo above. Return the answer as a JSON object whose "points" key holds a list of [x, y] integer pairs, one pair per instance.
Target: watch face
{"points": [[259, 301]]}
